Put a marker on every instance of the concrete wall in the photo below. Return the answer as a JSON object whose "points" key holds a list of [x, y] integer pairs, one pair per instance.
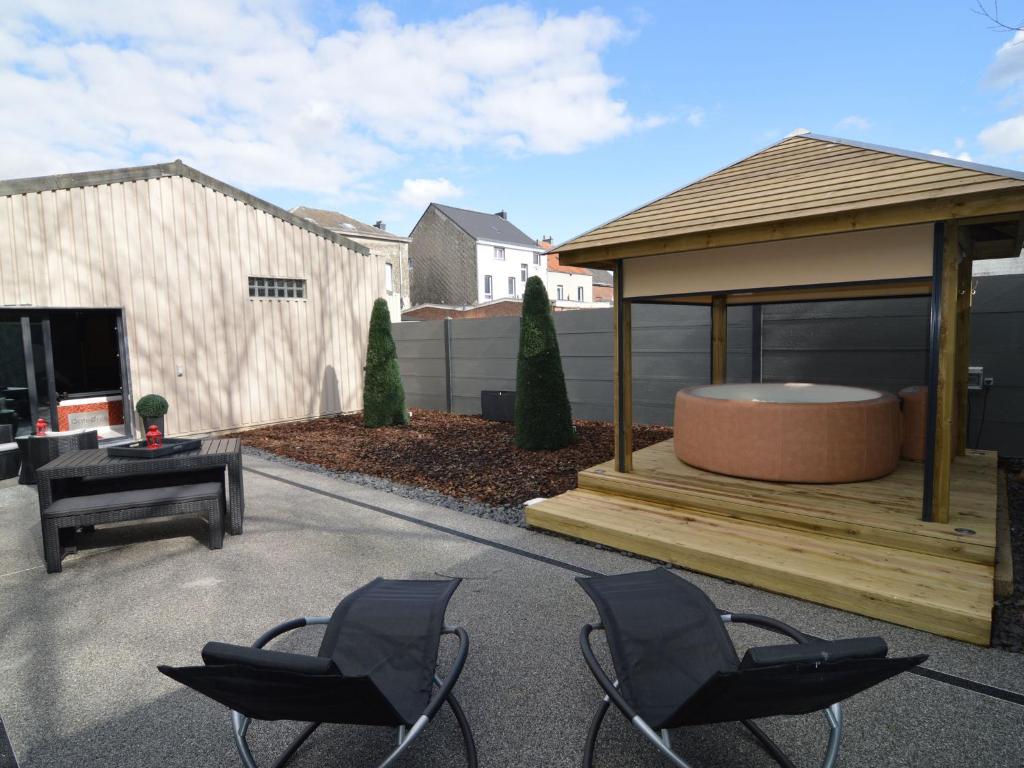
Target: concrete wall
{"points": [[879, 343], [442, 262], [176, 255], [395, 253]]}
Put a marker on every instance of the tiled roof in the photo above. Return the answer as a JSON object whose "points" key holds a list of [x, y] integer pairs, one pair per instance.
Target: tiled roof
{"points": [[486, 226], [345, 225]]}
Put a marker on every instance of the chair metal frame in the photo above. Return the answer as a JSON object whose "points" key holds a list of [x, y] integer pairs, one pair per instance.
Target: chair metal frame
{"points": [[240, 723], [833, 714]]}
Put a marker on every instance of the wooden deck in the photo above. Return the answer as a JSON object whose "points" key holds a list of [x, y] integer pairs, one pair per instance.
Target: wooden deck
{"points": [[861, 547]]}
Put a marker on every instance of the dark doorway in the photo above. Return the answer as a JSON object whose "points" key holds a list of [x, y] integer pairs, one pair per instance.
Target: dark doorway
{"points": [[63, 366]]}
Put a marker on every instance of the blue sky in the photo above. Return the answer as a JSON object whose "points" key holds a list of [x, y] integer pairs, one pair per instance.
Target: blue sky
{"points": [[565, 114]]}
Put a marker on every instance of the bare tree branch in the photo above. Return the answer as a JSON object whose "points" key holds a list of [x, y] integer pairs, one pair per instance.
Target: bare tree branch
{"points": [[993, 16]]}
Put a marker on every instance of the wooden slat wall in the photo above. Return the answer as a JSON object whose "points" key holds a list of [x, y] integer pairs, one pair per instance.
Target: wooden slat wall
{"points": [[177, 256]]}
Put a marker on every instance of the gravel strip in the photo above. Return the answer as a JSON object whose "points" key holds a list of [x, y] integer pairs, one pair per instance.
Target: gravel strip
{"points": [[510, 515]]}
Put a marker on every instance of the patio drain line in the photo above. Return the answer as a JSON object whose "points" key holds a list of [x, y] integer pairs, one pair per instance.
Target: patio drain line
{"points": [[1013, 697]]}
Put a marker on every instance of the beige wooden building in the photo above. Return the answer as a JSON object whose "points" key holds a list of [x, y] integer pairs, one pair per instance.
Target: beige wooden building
{"points": [[114, 284]]}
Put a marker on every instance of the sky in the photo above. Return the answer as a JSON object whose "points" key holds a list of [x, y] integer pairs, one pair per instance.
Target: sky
{"points": [[564, 114]]}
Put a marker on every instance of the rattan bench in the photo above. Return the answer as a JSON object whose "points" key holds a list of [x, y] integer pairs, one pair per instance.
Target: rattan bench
{"points": [[205, 499], [10, 454]]}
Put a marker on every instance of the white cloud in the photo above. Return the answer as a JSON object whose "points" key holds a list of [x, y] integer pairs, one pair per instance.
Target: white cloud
{"points": [[1008, 67], [695, 117], [853, 123], [417, 193], [249, 90], [1005, 136], [1007, 72], [966, 156]]}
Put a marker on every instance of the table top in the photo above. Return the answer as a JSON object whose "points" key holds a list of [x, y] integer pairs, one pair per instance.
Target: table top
{"points": [[96, 460]]}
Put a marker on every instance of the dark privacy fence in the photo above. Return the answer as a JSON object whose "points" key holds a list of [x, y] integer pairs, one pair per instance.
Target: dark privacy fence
{"points": [[878, 343]]}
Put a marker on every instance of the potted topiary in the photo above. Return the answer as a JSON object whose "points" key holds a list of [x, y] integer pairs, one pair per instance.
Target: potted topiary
{"points": [[152, 409]]}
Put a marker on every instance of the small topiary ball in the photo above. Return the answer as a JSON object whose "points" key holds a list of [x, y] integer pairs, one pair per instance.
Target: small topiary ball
{"points": [[151, 406]]}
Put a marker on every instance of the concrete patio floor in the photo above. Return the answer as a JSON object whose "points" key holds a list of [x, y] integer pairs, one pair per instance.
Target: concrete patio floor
{"points": [[78, 650]]}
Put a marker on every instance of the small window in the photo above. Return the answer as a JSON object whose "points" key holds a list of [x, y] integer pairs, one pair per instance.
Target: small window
{"points": [[276, 288], [389, 278], [488, 287], [511, 286], [499, 254], [524, 272], [536, 259], [560, 293], [579, 293]]}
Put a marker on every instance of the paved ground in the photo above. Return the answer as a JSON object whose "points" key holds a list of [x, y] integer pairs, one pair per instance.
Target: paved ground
{"points": [[78, 651]]}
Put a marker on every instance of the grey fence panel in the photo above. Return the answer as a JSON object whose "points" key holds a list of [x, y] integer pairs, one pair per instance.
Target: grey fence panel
{"points": [[997, 344], [877, 343], [421, 359], [483, 357]]}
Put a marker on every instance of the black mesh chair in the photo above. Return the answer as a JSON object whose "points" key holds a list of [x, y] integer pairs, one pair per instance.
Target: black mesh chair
{"points": [[377, 665], [677, 666]]}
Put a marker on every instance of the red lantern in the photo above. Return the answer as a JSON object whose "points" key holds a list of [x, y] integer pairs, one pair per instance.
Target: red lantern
{"points": [[154, 437], [41, 427]]}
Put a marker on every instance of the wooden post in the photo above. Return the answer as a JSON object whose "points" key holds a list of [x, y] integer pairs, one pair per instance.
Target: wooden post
{"points": [[963, 351], [719, 338], [942, 373], [623, 375]]}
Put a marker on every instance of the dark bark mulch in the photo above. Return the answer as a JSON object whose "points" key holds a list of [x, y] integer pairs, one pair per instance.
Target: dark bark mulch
{"points": [[1008, 619], [465, 457]]}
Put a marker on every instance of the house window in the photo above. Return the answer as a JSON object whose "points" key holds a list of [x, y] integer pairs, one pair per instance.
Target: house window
{"points": [[511, 286], [276, 288], [488, 287], [389, 278], [524, 272], [499, 253], [559, 293], [536, 259], [579, 293]]}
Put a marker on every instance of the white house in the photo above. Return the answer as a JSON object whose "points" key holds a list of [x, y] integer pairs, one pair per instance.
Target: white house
{"points": [[461, 257]]}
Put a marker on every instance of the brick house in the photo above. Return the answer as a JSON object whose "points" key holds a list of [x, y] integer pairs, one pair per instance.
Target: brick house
{"points": [[604, 288], [462, 258], [394, 249]]}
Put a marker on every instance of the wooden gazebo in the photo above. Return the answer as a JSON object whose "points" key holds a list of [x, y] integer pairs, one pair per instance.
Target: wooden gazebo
{"points": [[814, 218]]}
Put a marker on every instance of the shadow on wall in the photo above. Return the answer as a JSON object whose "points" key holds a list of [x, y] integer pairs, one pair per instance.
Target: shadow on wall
{"points": [[330, 395]]}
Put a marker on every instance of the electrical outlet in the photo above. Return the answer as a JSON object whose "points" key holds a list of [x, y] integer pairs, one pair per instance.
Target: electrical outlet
{"points": [[989, 381]]}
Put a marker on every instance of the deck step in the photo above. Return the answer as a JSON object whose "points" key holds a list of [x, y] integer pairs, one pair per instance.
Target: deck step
{"points": [[884, 512], [937, 594]]}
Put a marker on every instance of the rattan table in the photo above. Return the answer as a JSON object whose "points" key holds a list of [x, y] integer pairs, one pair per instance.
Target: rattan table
{"points": [[95, 463]]}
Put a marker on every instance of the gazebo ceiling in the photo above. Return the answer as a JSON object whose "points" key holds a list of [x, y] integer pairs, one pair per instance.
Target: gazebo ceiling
{"points": [[803, 185]]}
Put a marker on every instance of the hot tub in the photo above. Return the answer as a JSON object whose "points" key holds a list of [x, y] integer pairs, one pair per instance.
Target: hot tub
{"points": [[798, 433]]}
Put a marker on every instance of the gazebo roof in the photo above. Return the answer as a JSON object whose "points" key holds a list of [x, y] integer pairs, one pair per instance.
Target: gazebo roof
{"points": [[804, 184]]}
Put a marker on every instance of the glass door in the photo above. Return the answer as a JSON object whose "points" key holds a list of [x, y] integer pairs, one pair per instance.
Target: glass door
{"points": [[26, 372], [15, 408]]}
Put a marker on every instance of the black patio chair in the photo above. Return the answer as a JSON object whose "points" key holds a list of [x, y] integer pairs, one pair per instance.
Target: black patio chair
{"points": [[676, 665], [377, 665]]}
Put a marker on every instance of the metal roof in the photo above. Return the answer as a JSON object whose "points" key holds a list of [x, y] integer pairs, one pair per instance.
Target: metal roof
{"points": [[802, 176], [176, 168], [487, 226]]}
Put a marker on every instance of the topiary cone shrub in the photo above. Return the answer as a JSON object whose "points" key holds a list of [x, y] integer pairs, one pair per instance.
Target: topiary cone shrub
{"points": [[543, 416], [383, 395]]}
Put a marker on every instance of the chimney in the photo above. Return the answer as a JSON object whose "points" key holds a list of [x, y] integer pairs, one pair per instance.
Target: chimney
{"points": [[380, 225], [503, 213]]}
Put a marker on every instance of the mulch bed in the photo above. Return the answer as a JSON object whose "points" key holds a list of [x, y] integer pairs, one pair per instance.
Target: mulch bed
{"points": [[466, 457]]}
